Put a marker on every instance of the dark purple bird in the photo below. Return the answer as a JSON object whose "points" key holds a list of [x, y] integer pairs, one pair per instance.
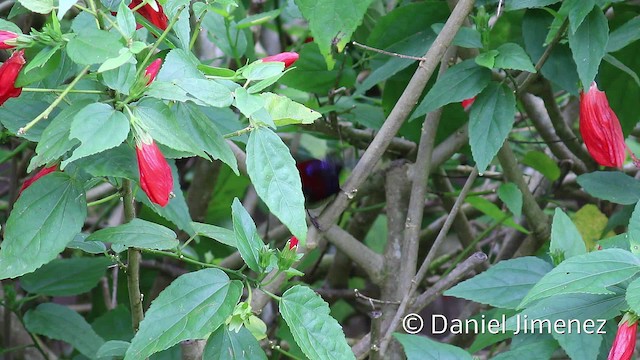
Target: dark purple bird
{"points": [[319, 178]]}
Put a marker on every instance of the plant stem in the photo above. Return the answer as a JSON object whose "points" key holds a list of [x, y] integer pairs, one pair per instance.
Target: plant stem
{"points": [[237, 273], [14, 152], [104, 199], [61, 90], [45, 114], [133, 265], [239, 132]]}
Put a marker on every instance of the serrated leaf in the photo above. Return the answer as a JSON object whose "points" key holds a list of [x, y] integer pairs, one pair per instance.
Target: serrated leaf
{"points": [[505, 284], [225, 344], [93, 46], [578, 344], [259, 70], [565, 237], [462, 81], [512, 56], [588, 45], [92, 247], [510, 5], [209, 92], [285, 111], [490, 121], [46, 217], [598, 184], [120, 79], [206, 134], [634, 230], [126, 20], [276, 179], [577, 11], [66, 277], [55, 141], [41, 58], [317, 333], [161, 123], [248, 241], [512, 197], [332, 22], [205, 299], [487, 59], [418, 347], [61, 323], [591, 273], [91, 124], [137, 233], [220, 234], [114, 63]]}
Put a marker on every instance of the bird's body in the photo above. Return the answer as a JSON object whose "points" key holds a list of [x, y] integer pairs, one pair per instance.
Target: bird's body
{"points": [[320, 179]]}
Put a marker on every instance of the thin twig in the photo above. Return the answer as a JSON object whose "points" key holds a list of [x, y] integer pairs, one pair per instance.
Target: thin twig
{"points": [[402, 56]]}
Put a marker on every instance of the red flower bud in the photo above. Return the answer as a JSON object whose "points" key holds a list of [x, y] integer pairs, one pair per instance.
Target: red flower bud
{"points": [[600, 129], [152, 71], [4, 36], [157, 18], [466, 104], [8, 74], [288, 58], [293, 243], [625, 341], [156, 179], [38, 175]]}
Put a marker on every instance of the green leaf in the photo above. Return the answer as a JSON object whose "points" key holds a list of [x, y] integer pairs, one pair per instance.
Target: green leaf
{"points": [[225, 344], [92, 247], [318, 334], [461, 81], [565, 237], [620, 65], [65, 5], [578, 344], [285, 111], [620, 91], [534, 347], [91, 125], [65, 277], [125, 57], [577, 11], [46, 217], [42, 58], [490, 121], [216, 71], [194, 305], [512, 197], [512, 56], [161, 123], [487, 59], [311, 75], [206, 134], [465, 37], [208, 92], [137, 233], [248, 241], [120, 79], [93, 46], [224, 33], [598, 184], [17, 112], [575, 306], [126, 20], [493, 211], [179, 64], [543, 164], [624, 35], [38, 6], [276, 179], [591, 273], [55, 141], [111, 349], [258, 19], [559, 68], [332, 22], [510, 5], [418, 347], [259, 70], [251, 106], [588, 44], [634, 230], [505, 284], [61, 323], [633, 295], [217, 233]]}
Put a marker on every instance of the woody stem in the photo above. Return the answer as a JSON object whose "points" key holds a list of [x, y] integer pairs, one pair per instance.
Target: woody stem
{"points": [[133, 266]]}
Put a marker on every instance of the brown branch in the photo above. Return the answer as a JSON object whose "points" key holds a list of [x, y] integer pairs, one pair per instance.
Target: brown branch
{"points": [[396, 118], [364, 257]]}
